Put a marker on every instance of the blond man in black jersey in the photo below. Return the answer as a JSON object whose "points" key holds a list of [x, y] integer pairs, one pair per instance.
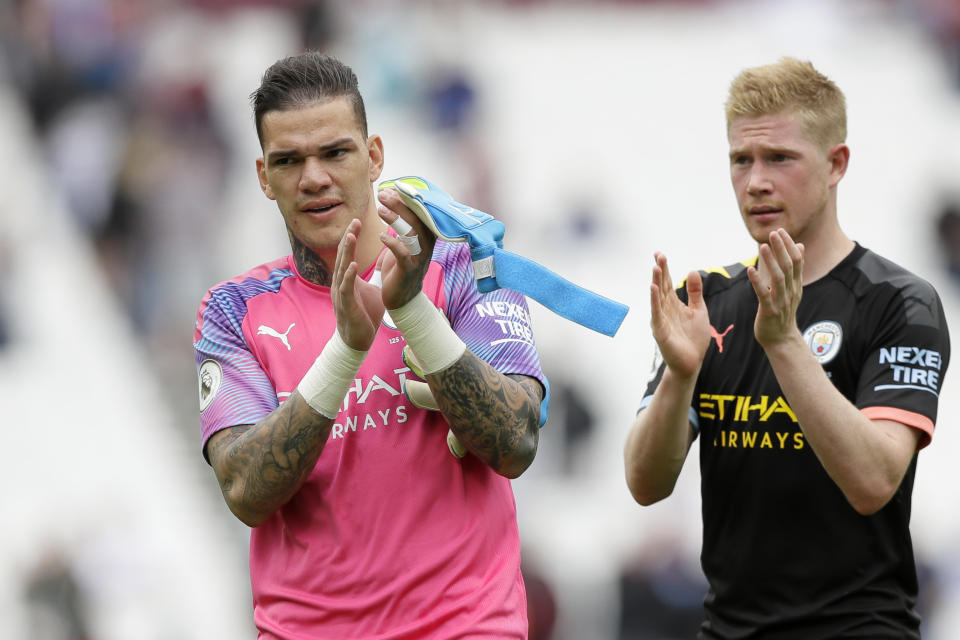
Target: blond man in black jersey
{"points": [[810, 374]]}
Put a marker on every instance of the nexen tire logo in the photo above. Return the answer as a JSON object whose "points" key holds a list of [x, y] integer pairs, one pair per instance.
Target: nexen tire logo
{"points": [[512, 319], [912, 368]]}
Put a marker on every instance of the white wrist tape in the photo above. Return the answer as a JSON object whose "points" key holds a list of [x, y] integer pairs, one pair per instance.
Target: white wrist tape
{"points": [[402, 227], [435, 345], [325, 383]]}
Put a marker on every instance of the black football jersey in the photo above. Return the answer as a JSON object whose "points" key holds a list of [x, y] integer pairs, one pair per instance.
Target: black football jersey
{"points": [[785, 554]]}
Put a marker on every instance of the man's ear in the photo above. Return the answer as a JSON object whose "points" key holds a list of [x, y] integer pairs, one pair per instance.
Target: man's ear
{"points": [[839, 158], [375, 151], [262, 177]]}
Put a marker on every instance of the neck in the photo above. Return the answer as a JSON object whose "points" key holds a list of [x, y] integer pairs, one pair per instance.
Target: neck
{"points": [[311, 267], [318, 269], [822, 260], [825, 244]]}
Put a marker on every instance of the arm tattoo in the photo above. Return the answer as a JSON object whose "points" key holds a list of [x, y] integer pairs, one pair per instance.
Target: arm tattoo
{"points": [[260, 467], [496, 416]]}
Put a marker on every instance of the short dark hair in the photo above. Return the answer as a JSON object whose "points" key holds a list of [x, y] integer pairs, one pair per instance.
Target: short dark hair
{"points": [[302, 79]]}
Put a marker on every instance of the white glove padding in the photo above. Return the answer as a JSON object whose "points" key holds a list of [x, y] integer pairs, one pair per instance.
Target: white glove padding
{"points": [[421, 396]]}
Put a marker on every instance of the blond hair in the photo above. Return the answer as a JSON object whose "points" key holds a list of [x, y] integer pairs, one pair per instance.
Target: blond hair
{"points": [[791, 86]]}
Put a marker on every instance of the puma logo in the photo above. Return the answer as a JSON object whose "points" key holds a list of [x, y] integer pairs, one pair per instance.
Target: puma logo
{"points": [[282, 337], [719, 336]]}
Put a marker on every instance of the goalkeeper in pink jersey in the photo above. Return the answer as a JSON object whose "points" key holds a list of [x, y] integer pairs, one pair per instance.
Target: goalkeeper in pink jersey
{"points": [[363, 523]]}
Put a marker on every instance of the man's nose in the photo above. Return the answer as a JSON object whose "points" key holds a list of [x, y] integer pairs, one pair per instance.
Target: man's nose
{"points": [[314, 176], [758, 181]]}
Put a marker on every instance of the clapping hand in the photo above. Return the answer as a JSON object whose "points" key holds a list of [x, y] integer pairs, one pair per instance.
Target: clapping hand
{"points": [[682, 331]]}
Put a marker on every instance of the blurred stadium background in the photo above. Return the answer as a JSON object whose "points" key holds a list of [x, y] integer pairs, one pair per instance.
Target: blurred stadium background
{"points": [[594, 129]]}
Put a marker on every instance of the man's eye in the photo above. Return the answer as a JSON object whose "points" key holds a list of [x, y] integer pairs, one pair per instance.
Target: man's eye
{"points": [[779, 157], [280, 162], [336, 153], [741, 160]]}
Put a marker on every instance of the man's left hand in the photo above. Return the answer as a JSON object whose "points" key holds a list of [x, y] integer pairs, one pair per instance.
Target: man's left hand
{"points": [[778, 283], [402, 273]]}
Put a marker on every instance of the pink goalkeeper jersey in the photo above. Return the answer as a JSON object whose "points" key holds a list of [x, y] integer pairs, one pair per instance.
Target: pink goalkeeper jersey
{"points": [[391, 537]]}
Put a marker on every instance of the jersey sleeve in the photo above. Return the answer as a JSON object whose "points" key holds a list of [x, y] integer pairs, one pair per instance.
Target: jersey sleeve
{"points": [[906, 361], [495, 326], [234, 388]]}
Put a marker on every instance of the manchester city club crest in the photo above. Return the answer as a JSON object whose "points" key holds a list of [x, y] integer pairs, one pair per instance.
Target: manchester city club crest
{"points": [[824, 339]]}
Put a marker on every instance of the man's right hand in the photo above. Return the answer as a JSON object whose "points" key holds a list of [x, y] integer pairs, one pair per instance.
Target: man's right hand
{"points": [[659, 439], [357, 303], [682, 331]]}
